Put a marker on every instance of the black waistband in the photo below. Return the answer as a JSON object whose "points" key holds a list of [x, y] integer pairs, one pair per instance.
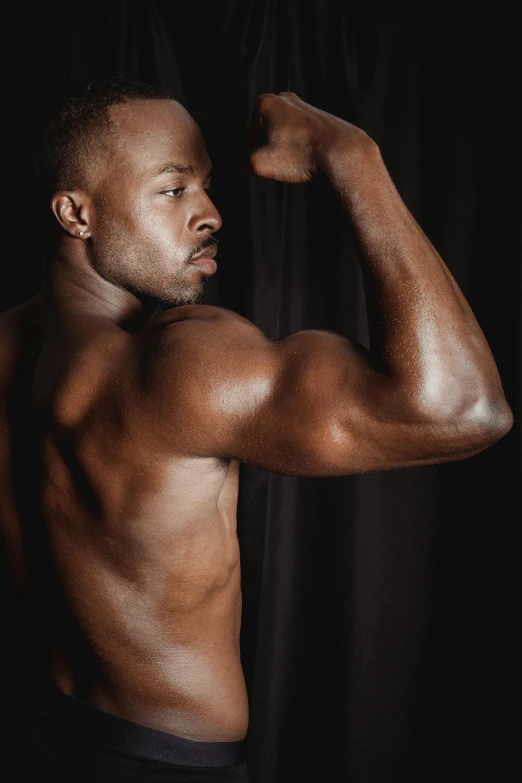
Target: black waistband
{"points": [[132, 738]]}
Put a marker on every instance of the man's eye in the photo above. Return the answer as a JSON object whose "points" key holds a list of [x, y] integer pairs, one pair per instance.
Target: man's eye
{"points": [[175, 191]]}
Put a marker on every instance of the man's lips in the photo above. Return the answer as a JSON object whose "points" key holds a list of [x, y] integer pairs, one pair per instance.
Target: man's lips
{"points": [[205, 260], [209, 252]]}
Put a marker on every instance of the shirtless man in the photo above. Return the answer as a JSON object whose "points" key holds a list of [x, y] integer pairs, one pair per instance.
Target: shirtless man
{"points": [[122, 428]]}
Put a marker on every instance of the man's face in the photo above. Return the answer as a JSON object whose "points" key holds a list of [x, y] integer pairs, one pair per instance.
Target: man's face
{"points": [[151, 209]]}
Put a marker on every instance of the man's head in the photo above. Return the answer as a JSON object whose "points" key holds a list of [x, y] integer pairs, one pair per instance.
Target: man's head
{"points": [[125, 170]]}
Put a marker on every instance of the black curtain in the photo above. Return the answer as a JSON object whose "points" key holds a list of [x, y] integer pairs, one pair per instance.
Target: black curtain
{"points": [[380, 612]]}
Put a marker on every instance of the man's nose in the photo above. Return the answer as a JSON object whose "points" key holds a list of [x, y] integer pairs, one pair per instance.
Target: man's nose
{"points": [[207, 218]]}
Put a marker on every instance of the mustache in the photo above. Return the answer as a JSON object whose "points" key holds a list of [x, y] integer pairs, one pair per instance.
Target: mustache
{"points": [[210, 242]]}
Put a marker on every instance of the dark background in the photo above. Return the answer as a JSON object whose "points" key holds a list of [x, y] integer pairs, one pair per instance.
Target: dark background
{"points": [[381, 612]]}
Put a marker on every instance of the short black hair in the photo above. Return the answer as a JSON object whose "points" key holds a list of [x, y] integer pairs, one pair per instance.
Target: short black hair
{"points": [[75, 122]]}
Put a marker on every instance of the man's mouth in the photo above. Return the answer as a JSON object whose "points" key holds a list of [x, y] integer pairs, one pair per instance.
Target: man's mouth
{"points": [[207, 253], [205, 260]]}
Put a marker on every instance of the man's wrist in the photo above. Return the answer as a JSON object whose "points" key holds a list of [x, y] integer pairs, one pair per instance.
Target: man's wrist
{"points": [[343, 145]]}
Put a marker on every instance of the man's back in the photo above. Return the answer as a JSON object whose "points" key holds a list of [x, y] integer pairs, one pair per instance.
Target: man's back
{"points": [[126, 548]]}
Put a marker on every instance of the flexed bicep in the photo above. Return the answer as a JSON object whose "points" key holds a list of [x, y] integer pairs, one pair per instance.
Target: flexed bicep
{"points": [[309, 404]]}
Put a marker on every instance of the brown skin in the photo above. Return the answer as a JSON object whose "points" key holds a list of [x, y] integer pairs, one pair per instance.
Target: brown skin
{"points": [[139, 420]]}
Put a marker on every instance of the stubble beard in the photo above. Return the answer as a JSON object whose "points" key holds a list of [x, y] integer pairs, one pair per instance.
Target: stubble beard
{"points": [[136, 269]]}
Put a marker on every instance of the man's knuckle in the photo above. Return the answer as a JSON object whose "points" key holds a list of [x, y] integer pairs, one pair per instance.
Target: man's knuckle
{"points": [[265, 99]]}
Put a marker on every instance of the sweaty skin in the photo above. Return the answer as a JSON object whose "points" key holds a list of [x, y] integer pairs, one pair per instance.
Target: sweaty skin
{"points": [[122, 430]]}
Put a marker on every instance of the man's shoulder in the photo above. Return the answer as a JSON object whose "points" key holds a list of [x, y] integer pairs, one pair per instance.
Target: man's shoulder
{"points": [[200, 330], [17, 334], [195, 357], [196, 313]]}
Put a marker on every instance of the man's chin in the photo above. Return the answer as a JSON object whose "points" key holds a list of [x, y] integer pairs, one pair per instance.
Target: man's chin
{"points": [[193, 297]]}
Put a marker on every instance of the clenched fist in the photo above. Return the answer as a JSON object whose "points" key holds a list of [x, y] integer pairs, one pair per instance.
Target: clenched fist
{"points": [[287, 137]]}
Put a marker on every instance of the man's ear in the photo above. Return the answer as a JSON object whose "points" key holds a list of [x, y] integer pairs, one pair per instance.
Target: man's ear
{"points": [[71, 210]]}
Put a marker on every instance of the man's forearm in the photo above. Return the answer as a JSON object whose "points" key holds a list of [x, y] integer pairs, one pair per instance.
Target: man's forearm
{"points": [[423, 333]]}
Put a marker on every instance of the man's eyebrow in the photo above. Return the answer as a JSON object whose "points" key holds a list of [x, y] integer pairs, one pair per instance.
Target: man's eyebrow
{"points": [[178, 168]]}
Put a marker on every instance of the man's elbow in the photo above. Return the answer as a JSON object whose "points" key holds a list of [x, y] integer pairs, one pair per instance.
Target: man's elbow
{"points": [[480, 426], [496, 420]]}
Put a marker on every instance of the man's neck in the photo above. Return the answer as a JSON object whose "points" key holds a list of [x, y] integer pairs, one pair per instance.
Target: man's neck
{"points": [[70, 290]]}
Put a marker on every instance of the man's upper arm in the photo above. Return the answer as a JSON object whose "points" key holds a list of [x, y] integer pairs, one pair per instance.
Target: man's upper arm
{"points": [[309, 404]]}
